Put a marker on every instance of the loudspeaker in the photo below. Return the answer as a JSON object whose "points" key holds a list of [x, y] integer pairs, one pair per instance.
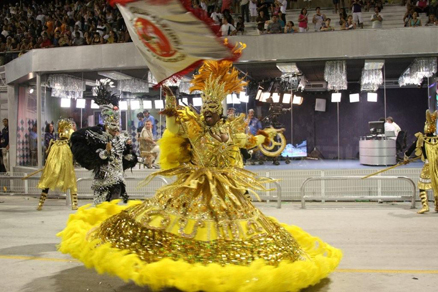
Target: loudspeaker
{"points": [[320, 105]]}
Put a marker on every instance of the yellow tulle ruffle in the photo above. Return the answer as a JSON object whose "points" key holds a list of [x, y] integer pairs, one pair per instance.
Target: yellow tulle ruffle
{"points": [[287, 276]]}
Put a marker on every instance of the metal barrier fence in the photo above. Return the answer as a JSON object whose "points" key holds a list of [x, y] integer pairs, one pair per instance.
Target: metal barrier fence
{"points": [[15, 183], [379, 195]]}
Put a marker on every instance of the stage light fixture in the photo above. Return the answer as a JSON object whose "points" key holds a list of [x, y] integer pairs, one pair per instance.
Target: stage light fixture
{"points": [[265, 96], [297, 100], [31, 90], [65, 102], [159, 104], [336, 97], [183, 101], [288, 68], [354, 97], [94, 105], [197, 101], [243, 97], [147, 104], [276, 97], [229, 98], [287, 97], [80, 103], [236, 100], [123, 105], [259, 94], [374, 64], [135, 104], [372, 97]]}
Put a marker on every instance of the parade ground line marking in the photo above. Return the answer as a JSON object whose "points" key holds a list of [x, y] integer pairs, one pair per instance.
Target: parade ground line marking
{"points": [[357, 271]]}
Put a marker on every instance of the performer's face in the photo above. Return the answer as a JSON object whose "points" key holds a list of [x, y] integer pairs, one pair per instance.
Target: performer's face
{"points": [[211, 118]]}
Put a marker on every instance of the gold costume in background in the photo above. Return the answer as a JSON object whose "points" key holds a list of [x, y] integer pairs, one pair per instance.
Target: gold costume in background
{"points": [[201, 232], [426, 147], [59, 172]]}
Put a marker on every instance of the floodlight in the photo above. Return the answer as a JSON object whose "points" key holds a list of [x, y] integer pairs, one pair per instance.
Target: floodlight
{"points": [[94, 105], [159, 104], [229, 98], [243, 97], [236, 100], [147, 104], [135, 104], [265, 96], [286, 98], [197, 101], [276, 97], [297, 100], [65, 102], [80, 103], [372, 97], [259, 94], [31, 90], [354, 97], [336, 97], [123, 105]]}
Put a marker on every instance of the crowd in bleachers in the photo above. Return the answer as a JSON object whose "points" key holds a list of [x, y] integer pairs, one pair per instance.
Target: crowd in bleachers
{"points": [[36, 24]]}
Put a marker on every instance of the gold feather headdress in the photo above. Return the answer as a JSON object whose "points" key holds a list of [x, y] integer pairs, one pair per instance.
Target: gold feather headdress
{"points": [[217, 79]]}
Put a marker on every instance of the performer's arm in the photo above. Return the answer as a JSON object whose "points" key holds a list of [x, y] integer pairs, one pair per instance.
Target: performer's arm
{"points": [[170, 111], [249, 141]]}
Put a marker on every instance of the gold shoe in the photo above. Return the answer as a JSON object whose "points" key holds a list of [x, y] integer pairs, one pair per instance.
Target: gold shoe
{"points": [[74, 201], [424, 202], [43, 197]]}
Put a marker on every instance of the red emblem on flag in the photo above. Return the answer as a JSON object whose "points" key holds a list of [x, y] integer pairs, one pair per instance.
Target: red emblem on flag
{"points": [[153, 38]]}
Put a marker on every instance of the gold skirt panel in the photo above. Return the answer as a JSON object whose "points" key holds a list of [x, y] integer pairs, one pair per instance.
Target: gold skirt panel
{"points": [[151, 243], [59, 172], [425, 183], [204, 216]]}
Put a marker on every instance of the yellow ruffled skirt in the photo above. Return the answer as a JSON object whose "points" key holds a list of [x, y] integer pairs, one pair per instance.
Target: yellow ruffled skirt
{"points": [[200, 233]]}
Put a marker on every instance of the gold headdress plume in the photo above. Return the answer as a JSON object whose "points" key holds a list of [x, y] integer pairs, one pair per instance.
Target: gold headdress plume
{"points": [[217, 79], [430, 125]]}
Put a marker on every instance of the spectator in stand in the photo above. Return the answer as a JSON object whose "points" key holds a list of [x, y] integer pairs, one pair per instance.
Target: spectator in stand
{"points": [[78, 40], [64, 41], [349, 24], [262, 5], [376, 18], [283, 7], [408, 15], [110, 38], [326, 25], [422, 7], [211, 4], [253, 10], [274, 26], [290, 27], [342, 17], [280, 20], [336, 5], [302, 20], [227, 28], [56, 38], [227, 14], [357, 12], [318, 19], [240, 25], [97, 39], [261, 22], [46, 43], [415, 21], [217, 16], [432, 21], [244, 8]]}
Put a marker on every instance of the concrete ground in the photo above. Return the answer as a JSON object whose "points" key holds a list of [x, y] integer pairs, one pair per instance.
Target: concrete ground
{"points": [[387, 247]]}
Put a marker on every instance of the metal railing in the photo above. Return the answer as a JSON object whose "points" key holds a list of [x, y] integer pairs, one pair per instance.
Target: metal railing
{"points": [[379, 195], [83, 179]]}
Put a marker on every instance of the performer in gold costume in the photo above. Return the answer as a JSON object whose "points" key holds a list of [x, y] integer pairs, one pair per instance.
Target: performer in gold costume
{"points": [[201, 233], [426, 146], [59, 172]]}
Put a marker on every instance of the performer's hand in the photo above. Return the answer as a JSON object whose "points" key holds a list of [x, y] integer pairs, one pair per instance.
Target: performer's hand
{"points": [[406, 159], [108, 147]]}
